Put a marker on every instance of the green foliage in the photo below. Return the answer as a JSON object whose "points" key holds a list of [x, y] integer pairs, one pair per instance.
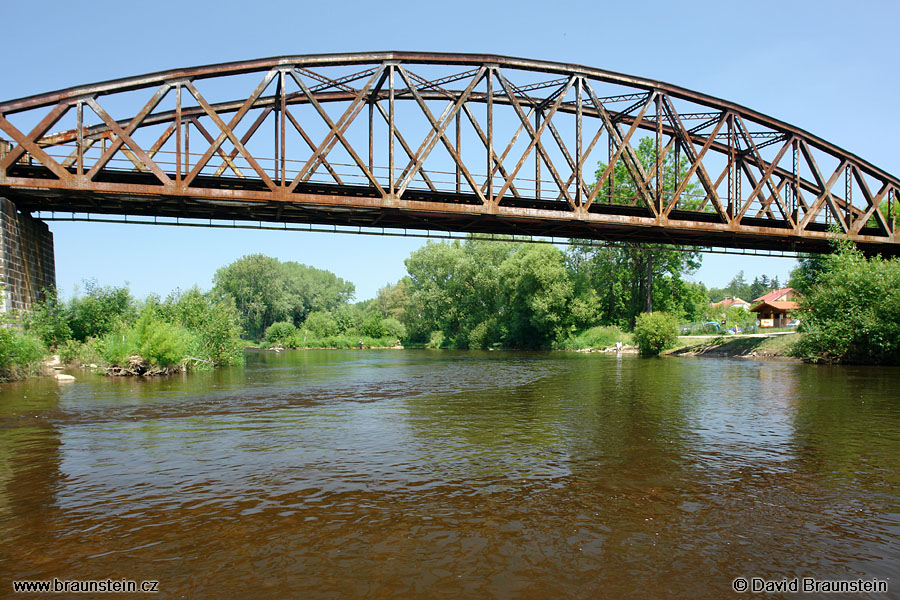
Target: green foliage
{"points": [[393, 328], [213, 321], [479, 294], [373, 327], [349, 319], [20, 353], [806, 274], [161, 343], [266, 290], [628, 281], [655, 332], [454, 288], [100, 310], [116, 348], [280, 332], [258, 288], [188, 328], [158, 342], [536, 291], [736, 316], [310, 289], [620, 187], [436, 339], [618, 283], [596, 337], [82, 353], [48, 320], [852, 313], [393, 300], [320, 324], [485, 334]]}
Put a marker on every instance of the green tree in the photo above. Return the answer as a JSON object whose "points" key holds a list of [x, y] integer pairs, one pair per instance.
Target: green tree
{"points": [[852, 311], [807, 272], [266, 290], [259, 291], [655, 332], [455, 288], [632, 280], [100, 310], [320, 324], [628, 281], [393, 300], [537, 292], [49, 320], [620, 187], [310, 289]]}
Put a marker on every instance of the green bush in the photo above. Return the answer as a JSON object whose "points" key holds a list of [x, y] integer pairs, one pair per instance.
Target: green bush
{"points": [[373, 327], [484, 334], [75, 352], [116, 348], [435, 339], [393, 328], [20, 353], [213, 321], [100, 311], [297, 339], [280, 333], [48, 320], [654, 332], [320, 324], [852, 313], [158, 342], [348, 318], [165, 345]]}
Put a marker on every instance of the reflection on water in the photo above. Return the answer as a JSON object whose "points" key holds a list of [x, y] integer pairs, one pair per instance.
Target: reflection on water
{"points": [[421, 474]]}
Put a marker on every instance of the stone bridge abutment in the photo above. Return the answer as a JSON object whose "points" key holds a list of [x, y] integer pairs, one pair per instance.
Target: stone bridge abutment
{"points": [[27, 265]]}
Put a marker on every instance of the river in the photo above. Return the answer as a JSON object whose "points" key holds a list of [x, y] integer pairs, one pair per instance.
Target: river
{"points": [[421, 474]]}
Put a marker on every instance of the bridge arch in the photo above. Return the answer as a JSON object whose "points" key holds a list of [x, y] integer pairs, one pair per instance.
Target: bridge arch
{"points": [[455, 142]]}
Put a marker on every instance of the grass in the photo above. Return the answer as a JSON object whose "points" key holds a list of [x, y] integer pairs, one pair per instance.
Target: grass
{"points": [[21, 354], [779, 345], [596, 338]]}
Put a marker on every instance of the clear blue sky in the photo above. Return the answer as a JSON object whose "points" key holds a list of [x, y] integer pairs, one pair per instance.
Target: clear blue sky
{"points": [[827, 67]]}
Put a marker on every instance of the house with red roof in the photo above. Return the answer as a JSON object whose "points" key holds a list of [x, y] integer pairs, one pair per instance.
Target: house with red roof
{"points": [[774, 309], [729, 302]]}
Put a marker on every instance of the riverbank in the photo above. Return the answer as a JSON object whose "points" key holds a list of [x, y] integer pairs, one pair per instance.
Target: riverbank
{"points": [[356, 347], [769, 346]]}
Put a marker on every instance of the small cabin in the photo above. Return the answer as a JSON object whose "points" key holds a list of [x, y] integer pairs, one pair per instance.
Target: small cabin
{"points": [[774, 309]]}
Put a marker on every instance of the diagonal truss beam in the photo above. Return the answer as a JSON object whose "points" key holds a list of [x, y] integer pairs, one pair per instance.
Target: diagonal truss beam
{"points": [[336, 132], [440, 132], [227, 130], [535, 143], [623, 145]]}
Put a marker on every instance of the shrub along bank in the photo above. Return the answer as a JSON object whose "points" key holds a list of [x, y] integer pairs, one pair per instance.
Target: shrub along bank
{"points": [[852, 311], [107, 327]]}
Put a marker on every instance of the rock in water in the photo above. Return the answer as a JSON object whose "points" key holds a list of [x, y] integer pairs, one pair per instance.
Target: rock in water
{"points": [[62, 377]]}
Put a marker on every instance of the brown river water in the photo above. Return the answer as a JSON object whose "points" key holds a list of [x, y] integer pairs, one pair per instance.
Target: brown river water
{"points": [[422, 474]]}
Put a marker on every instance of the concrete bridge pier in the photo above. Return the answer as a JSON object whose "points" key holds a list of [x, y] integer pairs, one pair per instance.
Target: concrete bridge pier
{"points": [[27, 265]]}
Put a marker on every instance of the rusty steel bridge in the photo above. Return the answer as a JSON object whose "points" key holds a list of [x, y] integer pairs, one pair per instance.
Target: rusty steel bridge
{"points": [[445, 142]]}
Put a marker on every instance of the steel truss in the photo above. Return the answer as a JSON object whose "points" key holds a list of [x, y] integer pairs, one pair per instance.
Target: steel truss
{"points": [[448, 142]]}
